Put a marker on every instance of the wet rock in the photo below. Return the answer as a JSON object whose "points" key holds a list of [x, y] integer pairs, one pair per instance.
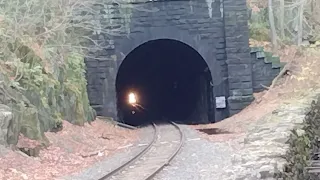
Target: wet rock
{"points": [[5, 119]]}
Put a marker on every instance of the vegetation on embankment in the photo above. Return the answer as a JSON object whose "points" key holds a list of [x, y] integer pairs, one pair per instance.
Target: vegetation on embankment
{"points": [[283, 23], [42, 71], [303, 144]]}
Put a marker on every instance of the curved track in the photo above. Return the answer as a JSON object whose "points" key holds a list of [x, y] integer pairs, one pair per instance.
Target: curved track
{"points": [[166, 143]]}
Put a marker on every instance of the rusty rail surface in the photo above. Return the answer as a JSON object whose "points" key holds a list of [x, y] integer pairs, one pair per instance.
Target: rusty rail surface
{"points": [[158, 163]]}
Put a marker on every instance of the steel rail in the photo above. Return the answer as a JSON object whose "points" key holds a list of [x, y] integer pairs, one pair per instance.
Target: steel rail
{"points": [[173, 154], [141, 153], [145, 150]]}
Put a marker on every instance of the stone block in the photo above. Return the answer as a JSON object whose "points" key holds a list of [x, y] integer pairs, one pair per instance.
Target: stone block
{"points": [[240, 85], [239, 70], [241, 92], [238, 60], [238, 106], [220, 50], [206, 36], [262, 71], [221, 57], [237, 5], [233, 44], [220, 45], [106, 63], [237, 79], [92, 63], [239, 55], [260, 55], [238, 49], [240, 99], [238, 38]]}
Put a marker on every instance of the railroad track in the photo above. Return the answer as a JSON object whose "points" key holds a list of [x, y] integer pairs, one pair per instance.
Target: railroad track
{"points": [[166, 143]]}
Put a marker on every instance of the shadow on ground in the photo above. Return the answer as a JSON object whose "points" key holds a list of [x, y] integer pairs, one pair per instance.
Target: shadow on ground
{"points": [[213, 131]]}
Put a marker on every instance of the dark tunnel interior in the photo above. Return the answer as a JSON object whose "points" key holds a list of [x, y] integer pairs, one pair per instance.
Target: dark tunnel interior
{"points": [[171, 82]]}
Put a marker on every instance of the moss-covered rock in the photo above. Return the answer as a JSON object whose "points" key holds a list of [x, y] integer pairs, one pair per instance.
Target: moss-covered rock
{"points": [[40, 98], [41, 65]]}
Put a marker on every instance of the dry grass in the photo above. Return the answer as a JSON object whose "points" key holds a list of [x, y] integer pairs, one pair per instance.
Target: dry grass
{"points": [[304, 70], [72, 149]]}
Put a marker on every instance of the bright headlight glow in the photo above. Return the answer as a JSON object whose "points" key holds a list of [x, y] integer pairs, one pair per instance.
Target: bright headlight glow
{"points": [[132, 98]]}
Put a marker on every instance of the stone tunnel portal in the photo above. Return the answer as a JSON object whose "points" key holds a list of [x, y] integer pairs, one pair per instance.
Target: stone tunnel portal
{"points": [[170, 80]]}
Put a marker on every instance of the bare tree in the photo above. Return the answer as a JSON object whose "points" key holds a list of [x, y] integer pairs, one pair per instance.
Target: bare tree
{"points": [[281, 21], [300, 23], [292, 20], [272, 26]]}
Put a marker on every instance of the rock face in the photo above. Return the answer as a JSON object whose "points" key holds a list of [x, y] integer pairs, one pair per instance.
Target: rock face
{"points": [[5, 119]]}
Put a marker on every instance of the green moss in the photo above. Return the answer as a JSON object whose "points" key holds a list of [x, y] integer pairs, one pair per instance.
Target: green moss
{"points": [[41, 99], [41, 70]]}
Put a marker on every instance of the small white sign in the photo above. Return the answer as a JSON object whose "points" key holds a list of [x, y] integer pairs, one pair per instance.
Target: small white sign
{"points": [[221, 102]]}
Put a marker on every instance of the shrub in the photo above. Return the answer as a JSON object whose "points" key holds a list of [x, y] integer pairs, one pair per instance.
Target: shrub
{"points": [[303, 143], [258, 25]]}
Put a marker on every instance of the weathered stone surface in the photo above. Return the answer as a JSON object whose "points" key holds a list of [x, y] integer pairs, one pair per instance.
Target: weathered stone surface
{"points": [[262, 150], [5, 119]]}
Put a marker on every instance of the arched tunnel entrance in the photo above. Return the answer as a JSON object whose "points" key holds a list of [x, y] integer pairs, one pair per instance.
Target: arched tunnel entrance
{"points": [[170, 80]]}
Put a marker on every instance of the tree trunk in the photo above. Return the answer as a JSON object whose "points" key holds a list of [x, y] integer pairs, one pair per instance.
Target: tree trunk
{"points": [[314, 9], [300, 24], [282, 18], [272, 26]]}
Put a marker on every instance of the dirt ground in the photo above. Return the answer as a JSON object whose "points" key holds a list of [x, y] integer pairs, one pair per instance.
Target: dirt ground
{"points": [[303, 66], [72, 149]]}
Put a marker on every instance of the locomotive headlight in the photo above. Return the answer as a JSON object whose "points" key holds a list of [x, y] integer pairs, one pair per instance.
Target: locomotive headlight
{"points": [[132, 99]]}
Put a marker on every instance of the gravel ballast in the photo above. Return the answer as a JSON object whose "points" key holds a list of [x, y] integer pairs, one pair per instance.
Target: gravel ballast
{"points": [[254, 154], [199, 159]]}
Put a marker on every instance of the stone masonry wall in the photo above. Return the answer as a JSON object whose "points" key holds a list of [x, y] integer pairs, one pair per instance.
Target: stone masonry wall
{"points": [[217, 30], [238, 55], [265, 68]]}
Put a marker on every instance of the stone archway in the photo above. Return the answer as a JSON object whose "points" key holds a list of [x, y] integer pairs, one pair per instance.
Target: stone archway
{"points": [[171, 80]]}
